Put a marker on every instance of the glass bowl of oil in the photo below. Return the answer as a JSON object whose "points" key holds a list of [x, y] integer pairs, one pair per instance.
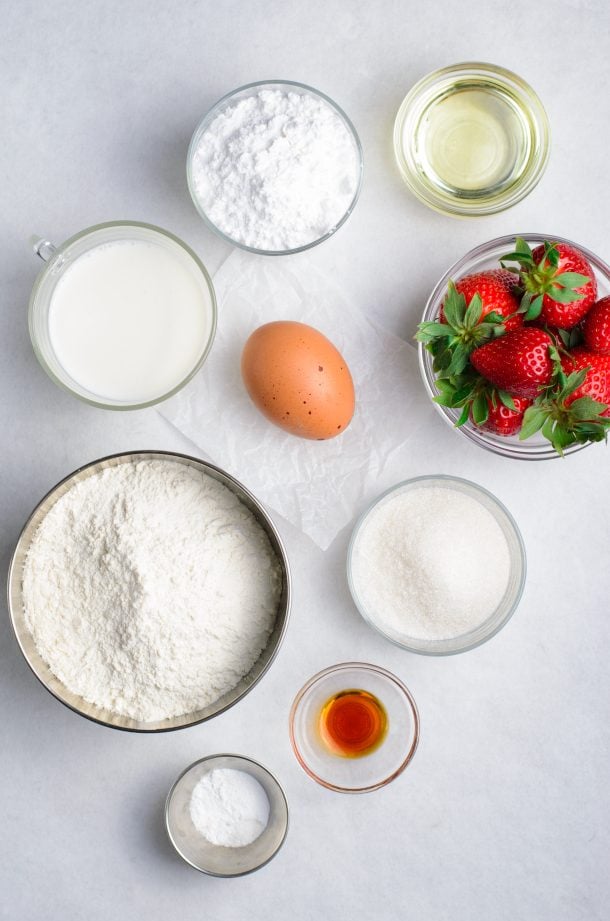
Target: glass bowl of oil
{"points": [[471, 139], [354, 727]]}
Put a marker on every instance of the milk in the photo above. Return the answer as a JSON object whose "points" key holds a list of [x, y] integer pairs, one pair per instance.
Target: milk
{"points": [[129, 320]]}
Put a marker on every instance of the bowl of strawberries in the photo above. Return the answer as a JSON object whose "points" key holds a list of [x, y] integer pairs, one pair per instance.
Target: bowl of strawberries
{"points": [[514, 346]]}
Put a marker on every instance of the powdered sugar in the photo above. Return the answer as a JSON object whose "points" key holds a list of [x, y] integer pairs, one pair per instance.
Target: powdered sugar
{"points": [[430, 563], [229, 808], [276, 170], [150, 589]]}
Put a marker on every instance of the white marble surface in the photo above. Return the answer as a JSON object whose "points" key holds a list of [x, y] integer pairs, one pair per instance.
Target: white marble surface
{"points": [[503, 814]]}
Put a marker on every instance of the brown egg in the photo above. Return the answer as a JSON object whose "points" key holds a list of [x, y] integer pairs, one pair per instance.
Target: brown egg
{"points": [[298, 379]]}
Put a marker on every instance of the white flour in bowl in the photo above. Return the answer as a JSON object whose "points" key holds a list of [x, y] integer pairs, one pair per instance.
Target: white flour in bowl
{"points": [[276, 170], [150, 589]]}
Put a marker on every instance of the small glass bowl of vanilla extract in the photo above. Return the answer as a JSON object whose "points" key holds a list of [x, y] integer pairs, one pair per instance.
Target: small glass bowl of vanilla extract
{"points": [[354, 727]]}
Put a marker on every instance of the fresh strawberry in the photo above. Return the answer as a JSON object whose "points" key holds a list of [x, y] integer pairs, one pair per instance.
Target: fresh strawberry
{"points": [[501, 419], [558, 281], [596, 327], [497, 291], [517, 362], [596, 384], [575, 407]]}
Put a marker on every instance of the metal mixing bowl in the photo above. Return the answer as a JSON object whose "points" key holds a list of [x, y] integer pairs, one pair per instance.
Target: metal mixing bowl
{"points": [[40, 667]]}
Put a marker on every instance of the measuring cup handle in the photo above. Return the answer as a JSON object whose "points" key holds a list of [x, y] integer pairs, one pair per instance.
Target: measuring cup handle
{"points": [[43, 248]]}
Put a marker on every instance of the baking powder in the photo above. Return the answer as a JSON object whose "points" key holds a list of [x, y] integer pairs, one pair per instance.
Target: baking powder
{"points": [[229, 808], [276, 170], [430, 563], [150, 589]]}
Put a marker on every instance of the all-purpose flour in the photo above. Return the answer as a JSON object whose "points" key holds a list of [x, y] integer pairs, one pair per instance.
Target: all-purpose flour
{"points": [[150, 589], [276, 170]]}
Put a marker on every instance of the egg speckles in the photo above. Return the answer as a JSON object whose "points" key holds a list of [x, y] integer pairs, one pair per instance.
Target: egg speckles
{"points": [[298, 379]]}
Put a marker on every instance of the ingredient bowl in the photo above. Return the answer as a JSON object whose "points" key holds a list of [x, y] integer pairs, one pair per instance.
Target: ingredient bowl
{"points": [[482, 258], [123, 315], [227, 102], [485, 629], [41, 668], [213, 859], [376, 767], [471, 139]]}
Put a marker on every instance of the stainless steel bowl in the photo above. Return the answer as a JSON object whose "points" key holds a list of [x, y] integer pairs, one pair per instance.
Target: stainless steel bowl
{"points": [[210, 858], [40, 667]]}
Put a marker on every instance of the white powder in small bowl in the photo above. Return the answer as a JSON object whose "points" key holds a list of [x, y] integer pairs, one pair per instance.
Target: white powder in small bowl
{"points": [[276, 170], [430, 563], [229, 808]]}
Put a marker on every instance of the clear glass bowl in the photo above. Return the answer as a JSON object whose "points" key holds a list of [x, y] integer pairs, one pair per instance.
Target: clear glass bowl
{"points": [[39, 666], [58, 261], [210, 858], [481, 258], [367, 772], [514, 589], [230, 99], [446, 110]]}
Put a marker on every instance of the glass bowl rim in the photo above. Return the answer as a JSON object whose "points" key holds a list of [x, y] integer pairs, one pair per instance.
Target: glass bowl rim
{"points": [[214, 757], [215, 110], [455, 650], [513, 194], [369, 667], [89, 231], [520, 451], [177, 457]]}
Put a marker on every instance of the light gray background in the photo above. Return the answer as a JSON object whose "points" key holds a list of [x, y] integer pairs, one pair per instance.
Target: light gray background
{"points": [[503, 813]]}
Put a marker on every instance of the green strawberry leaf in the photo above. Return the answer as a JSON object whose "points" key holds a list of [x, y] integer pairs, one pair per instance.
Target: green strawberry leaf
{"points": [[533, 420], [586, 408], [454, 307], [426, 332], [459, 360], [534, 309], [463, 416], [507, 400], [480, 409], [571, 279], [564, 295], [474, 311]]}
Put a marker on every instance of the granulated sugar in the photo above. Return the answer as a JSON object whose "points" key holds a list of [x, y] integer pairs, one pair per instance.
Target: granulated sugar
{"points": [[150, 589], [276, 170], [430, 563]]}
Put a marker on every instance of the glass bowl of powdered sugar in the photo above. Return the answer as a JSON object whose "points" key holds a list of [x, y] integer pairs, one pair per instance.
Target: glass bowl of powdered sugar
{"points": [[437, 565], [226, 815], [275, 167]]}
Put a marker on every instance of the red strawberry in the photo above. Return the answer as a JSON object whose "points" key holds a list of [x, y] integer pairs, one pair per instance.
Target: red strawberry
{"points": [[597, 382], [517, 362], [559, 283], [502, 420], [496, 288], [596, 327]]}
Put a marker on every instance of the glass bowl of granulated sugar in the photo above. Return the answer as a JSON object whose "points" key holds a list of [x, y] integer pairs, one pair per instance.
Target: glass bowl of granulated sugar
{"points": [[149, 591], [437, 565], [275, 167]]}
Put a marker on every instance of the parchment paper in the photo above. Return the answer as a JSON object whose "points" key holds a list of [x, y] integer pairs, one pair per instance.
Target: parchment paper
{"points": [[316, 485]]}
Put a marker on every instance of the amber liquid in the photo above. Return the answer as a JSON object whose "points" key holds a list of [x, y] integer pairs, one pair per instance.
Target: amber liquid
{"points": [[353, 723]]}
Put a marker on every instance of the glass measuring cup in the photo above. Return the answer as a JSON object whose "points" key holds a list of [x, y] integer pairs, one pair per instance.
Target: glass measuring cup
{"points": [[60, 259]]}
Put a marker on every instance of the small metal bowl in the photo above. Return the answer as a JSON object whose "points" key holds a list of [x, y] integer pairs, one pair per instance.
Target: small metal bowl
{"points": [[230, 99], [40, 667], [210, 858]]}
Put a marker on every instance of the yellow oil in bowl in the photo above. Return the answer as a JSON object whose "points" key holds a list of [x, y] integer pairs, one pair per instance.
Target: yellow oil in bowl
{"points": [[471, 139]]}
